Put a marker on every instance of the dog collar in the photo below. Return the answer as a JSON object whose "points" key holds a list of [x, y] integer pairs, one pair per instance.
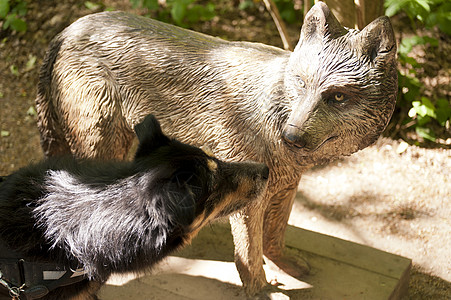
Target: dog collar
{"points": [[30, 279]]}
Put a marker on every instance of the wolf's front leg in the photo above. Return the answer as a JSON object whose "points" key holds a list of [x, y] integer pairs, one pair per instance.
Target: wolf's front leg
{"points": [[247, 231], [274, 225]]}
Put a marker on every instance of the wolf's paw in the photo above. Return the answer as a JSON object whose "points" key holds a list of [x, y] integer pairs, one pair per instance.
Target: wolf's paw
{"points": [[270, 292], [255, 287]]}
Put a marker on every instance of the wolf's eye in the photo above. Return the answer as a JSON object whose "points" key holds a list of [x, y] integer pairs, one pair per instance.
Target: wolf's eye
{"points": [[339, 97], [300, 81]]}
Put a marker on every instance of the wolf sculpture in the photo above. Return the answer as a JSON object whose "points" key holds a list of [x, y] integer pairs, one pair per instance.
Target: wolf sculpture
{"points": [[113, 216], [333, 95]]}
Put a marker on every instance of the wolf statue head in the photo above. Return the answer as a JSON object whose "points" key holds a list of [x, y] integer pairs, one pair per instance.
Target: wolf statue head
{"points": [[342, 85]]}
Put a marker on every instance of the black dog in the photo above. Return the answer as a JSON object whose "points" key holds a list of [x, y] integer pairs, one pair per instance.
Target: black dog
{"points": [[67, 224]]}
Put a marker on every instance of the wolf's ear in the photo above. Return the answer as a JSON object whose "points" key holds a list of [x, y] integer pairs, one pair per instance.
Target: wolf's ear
{"points": [[150, 136], [377, 39], [320, 22]]}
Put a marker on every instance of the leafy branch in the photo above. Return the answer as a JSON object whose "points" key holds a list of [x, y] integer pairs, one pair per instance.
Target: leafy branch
{"points": [[420, 110], [12, 14], [183, 12]]}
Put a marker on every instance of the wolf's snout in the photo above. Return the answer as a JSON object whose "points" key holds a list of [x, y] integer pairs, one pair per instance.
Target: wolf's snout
{"points": [[291, 136]]}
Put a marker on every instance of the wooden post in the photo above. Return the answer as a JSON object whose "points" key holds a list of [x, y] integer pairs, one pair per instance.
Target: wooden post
{"points": [[307, 6], [360, 14], [274, 11]]}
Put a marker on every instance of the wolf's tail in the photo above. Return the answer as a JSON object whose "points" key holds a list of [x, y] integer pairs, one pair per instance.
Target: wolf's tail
{"points": [[53, 141]]}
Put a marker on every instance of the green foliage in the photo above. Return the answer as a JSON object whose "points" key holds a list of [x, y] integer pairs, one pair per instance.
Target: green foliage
{"points": [[31, 63], [92, 5], [14, 70], [421, 110], [286, 9], [430, 13], [12, 13], [182, 12], [149, 4], [442, 17], [32, 111]]}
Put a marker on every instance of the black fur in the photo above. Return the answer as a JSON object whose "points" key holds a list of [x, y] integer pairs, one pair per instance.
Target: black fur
{"points": [[120, 216]]}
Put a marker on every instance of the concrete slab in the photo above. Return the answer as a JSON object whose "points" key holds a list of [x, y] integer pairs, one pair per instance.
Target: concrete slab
{"points": [[205, 270]]}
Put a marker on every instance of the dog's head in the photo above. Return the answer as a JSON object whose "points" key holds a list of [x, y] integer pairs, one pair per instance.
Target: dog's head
{"points": [[194, 186]]}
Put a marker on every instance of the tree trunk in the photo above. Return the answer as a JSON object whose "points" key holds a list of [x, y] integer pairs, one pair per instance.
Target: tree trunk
{"points": [[356, 13]]}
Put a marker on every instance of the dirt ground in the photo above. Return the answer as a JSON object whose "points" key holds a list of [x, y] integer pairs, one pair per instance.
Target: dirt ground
{"points": [[390, 196]]}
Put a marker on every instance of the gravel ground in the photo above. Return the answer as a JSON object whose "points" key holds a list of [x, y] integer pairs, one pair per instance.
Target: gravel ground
{"points": [[390, 199]]}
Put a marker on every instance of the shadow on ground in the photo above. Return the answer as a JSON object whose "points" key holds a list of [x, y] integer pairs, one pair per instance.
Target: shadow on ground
{"points": [[206, 268]]}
